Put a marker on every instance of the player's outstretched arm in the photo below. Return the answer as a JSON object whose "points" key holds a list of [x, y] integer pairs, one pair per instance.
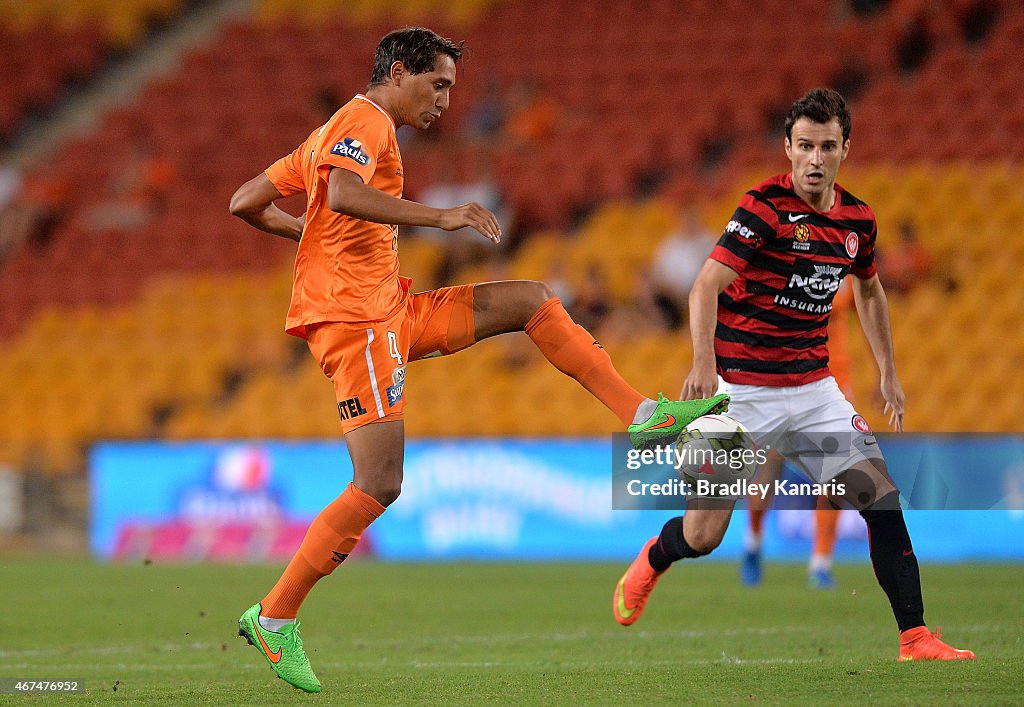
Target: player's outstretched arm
{"points": [[347, 194], [702, 382], [254, 204], [873, 311]]}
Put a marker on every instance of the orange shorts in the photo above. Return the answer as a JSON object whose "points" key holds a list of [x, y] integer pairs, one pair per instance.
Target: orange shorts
{"points": [[366, 362]]}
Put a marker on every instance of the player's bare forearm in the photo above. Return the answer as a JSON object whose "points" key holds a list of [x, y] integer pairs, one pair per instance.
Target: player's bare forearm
{"points": [[274, 221], [254, 204], [703, 319], [714, 277], [702, 381], [347, 194], [873, 312]]}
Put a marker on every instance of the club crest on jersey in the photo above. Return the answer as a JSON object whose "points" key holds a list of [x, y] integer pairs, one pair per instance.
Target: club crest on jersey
{"points": [[353, 149], [852, 244], [801, 237], [861, 425]]}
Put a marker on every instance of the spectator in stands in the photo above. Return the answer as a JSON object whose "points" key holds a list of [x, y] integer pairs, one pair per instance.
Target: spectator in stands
{"points": [[532, 114], [641, 315], [676, 264], [592, 299], [558, 281], [10, 185], [487, 117], [137, 193], [30, 211], [907, 264], [471, 181]]}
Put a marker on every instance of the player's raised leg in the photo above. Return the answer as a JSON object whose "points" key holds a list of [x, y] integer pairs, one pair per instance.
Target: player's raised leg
{"points": [[524, 305], [870, 489], [694, 535]]}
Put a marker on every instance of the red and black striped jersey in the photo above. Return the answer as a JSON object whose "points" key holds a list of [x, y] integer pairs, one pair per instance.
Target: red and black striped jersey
{"points": [[773, 318]]}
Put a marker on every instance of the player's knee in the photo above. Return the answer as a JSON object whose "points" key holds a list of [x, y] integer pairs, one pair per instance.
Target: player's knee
{"points": [[382, 480], [535, 293], [868, 486], [384, 493], [703, 541]]}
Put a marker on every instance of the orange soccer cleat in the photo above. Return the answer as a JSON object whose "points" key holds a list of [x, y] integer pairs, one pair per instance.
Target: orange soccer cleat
{"points": [[635, 587], [921, 644]]}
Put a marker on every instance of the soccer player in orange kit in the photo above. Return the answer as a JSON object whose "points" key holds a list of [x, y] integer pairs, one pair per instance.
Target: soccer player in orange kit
{"points": [[364, 325]]}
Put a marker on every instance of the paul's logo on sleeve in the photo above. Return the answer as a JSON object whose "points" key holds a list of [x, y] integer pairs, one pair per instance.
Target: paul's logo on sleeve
{"points": [[353, 149]]}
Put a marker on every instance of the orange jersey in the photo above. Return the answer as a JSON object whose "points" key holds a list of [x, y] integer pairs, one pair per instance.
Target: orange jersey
{"points": [[346, 269]]}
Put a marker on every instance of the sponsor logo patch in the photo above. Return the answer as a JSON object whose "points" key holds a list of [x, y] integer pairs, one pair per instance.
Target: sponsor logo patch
{"points": [[397, 386], [823, 284], [351, 408], [801, 237], [741, 230], [353, 149]]}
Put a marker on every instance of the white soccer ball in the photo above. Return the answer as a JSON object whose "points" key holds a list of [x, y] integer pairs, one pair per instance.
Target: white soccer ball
{"points": [[716, 450]]}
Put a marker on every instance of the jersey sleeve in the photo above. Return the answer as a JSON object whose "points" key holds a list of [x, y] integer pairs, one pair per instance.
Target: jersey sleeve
{"points": [[864, 263], [355, 144], [286, 173], [753, 224]]}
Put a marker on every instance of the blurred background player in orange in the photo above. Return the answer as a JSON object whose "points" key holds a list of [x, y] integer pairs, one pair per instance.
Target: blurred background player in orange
{"points": [[363, 323], [826, 518]]}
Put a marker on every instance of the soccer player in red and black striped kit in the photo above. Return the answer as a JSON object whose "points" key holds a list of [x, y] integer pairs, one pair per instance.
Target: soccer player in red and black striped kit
{"points": [[759, 314]]}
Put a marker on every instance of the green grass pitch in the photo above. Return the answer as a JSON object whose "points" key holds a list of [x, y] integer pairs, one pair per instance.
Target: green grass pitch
{"points": [[507, 634]]}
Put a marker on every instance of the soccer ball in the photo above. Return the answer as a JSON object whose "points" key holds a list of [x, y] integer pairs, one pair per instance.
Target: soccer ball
{"points": [[715, 452]]}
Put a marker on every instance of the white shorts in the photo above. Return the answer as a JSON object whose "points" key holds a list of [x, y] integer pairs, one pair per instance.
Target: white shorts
{"points": [[812, 425]]}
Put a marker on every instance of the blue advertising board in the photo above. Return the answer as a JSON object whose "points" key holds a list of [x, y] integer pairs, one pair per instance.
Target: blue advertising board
{"points": [[478, 499]]}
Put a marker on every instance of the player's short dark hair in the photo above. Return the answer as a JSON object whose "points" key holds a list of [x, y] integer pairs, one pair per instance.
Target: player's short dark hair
{"points": [[416, 47], [820, 105]]}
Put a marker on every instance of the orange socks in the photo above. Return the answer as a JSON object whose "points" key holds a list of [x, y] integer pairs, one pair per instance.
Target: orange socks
{"points": [[571, 349], [330, 538], [756, 520]]}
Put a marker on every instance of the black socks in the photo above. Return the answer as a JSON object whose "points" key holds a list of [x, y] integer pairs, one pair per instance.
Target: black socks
{"points": [[671, 546], [892, 557]]}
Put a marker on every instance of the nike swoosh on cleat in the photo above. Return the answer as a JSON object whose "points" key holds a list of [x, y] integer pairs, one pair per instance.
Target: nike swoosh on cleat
{"points": [[271, 656], [669, 421], [624, 611]]}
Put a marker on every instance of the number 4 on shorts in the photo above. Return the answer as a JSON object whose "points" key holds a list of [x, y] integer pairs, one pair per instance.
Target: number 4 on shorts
{"points": [[393, 345]]}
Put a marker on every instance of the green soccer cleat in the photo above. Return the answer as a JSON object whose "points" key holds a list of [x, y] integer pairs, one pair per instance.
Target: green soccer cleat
{"points": [[282, 650], [670, 417]]}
